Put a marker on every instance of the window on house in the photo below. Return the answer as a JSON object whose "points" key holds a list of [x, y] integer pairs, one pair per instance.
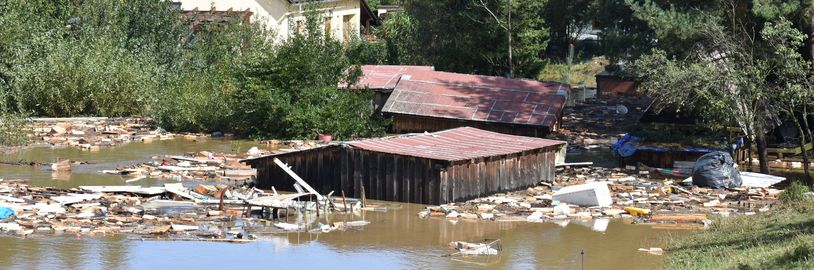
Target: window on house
{"points": [[347, 27], [298, 27], [327, 30]]}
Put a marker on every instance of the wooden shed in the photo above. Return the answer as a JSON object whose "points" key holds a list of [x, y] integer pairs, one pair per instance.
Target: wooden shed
{"points": [[435, 100], [429, 168]]}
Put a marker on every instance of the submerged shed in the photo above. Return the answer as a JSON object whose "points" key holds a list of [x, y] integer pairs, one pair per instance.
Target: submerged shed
{"points": [[429, 168]]}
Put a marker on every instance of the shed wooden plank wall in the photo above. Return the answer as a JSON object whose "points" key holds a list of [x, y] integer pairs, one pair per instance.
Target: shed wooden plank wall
{"points": [[407, 179], [486, 176], [409, 123]]}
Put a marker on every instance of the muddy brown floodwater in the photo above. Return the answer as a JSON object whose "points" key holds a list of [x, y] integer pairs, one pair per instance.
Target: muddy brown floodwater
{"points": [[396, 239]]}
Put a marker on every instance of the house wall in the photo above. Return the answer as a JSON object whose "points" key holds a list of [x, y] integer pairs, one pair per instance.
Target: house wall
{"points": [[281, 16], [403, 178], [613, 86], [411, 124]]}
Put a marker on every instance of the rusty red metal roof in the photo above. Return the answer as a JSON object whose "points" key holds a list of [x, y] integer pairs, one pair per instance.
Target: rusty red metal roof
{"points": [[385, 76], [455, 144], [478, 98]]}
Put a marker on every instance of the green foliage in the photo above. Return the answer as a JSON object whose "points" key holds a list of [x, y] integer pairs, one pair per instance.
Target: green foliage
{"points": [[116, 58], [95, 57], [362, 52], [469, 36], [84, 78], [566, 19], [400, 33], [293, 92], [624, 36], [11, 126], [795, 193], [199, 95]]}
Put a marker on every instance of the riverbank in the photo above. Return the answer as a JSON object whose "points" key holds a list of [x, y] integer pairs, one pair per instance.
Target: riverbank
{"points": [[779, 239]]}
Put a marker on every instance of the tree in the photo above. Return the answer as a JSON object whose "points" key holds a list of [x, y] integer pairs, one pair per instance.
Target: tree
{"points": [[567, 19], [792, 85], [292, 92], [470, 36], [725, 71], [623, 36]]}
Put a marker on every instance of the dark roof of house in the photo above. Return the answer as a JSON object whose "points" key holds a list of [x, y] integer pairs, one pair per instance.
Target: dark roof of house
{"points": [[478, 98], [455, 144]]}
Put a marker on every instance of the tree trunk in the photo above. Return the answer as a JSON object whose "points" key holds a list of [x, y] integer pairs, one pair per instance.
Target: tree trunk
{"points": [[749, 153], [805, 131], [807, 179], [762, 154]]}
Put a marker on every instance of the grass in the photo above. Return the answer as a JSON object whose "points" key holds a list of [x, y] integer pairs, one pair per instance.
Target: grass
{"points": [[782, 238], [582, 73]]}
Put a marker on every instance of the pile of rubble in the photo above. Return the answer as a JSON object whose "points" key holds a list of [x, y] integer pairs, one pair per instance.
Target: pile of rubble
{"points": [[598, 123], [577, 194], [203, 165], [206, 165], [218, 213], [93, 133]]}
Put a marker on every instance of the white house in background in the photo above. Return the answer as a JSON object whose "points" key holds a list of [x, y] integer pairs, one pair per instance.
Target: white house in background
{"points": [[344, 19]]}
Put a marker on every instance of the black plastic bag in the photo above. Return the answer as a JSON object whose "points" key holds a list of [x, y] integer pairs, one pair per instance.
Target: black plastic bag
{"points": [[716, 170]]}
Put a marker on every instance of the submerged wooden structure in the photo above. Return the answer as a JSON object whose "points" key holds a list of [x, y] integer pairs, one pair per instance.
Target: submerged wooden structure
{"points": [[429, 168]]}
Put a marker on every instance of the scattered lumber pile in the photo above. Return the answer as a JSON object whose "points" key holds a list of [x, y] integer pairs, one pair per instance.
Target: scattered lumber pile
{"points": [[588, 193]]}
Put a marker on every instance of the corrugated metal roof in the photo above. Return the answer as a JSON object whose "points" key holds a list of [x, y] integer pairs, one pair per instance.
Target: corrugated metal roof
{"points": [[478, 98], [386, 76], [455, 144]]}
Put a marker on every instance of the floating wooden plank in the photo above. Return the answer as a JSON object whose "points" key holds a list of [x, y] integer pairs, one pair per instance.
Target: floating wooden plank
{"points": [[122, 189], [191, 159], [276, 201], [181, 191], [76, 198], [575, 164], [678, 226], [247, 172], [679, 217], [192, 168]]}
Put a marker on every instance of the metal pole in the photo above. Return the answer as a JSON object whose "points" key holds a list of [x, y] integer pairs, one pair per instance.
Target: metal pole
{"points": [[582, 258]]}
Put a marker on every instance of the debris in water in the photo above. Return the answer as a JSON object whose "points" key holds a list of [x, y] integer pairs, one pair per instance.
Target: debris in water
{"points": [[485, 247]]}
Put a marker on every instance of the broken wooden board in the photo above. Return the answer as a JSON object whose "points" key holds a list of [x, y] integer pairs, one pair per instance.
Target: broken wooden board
{"points": [[123, 189], [297, 178], [275, 201], [76, 198], [188, 169], [678, 217]]}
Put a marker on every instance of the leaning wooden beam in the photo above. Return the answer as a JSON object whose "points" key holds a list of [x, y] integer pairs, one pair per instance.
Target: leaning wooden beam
{"points": [[297, 178]]}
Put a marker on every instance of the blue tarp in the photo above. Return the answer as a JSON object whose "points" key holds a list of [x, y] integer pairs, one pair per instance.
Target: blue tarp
{"points": [[5, 212], [628, 145]]}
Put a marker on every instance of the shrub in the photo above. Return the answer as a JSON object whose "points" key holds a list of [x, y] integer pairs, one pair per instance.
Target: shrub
{"points": [[796, 192], [11, 126]]}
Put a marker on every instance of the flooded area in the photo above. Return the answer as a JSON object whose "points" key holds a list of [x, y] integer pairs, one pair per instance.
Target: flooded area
{"points": [[396, 239]]}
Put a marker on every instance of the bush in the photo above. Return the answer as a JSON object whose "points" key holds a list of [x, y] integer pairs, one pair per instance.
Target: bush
{"points": [[77, 78], [794, 193], [11, 130]]}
